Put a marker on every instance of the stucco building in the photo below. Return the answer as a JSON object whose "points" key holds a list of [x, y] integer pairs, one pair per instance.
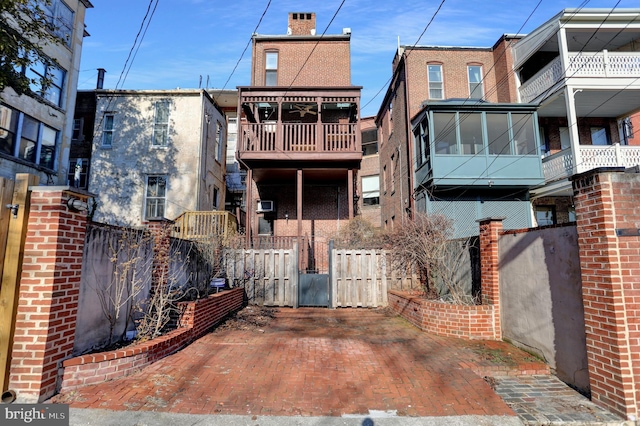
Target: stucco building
{"points": [[156, 153]]}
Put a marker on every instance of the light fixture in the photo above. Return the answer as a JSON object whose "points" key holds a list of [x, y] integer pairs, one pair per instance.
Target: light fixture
{"points": [[77, 205], [14, 209]]}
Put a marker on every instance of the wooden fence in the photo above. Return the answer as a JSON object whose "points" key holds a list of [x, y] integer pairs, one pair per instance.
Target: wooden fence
{"points": [[359, 278]]}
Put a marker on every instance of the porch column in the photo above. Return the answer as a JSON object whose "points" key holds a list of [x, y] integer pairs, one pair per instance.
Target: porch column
{"points": [[299, 211], [250, 208], [320, 138], [572, 123], [279, 129], [350, 193]]}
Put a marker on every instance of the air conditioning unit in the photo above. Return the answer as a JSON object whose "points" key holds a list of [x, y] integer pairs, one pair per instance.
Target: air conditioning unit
{"points": [[265, 206]]}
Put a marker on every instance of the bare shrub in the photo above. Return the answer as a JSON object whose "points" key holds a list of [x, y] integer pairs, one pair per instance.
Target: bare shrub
{"points": [[358, 233], [424, 243]]}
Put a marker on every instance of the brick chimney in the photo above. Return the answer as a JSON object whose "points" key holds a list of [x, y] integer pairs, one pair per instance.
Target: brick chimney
{"points": [[302, 23]]}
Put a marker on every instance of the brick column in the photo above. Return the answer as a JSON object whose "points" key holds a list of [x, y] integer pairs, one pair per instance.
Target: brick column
{"points": [[490, 228], [607, 206], [161, 231], [49, 288]]}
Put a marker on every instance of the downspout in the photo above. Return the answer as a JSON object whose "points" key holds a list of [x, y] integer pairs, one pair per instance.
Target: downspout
{"points": [[410, 169]]}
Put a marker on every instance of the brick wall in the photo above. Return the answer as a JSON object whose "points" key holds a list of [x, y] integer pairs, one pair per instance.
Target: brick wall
{"points": [[197, 319], [49, 288], [607, 201], [443, 319]]}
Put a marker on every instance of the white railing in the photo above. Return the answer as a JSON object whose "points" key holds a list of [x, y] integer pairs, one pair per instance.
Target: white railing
{"points": [[582, 64], [560, 165], [608, 156]]}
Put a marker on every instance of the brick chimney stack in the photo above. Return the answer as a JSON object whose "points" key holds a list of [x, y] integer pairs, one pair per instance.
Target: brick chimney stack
{"points": [[302, 23]]}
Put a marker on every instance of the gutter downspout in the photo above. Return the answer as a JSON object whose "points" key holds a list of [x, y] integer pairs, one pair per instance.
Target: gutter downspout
{"points": [[409, 140]]}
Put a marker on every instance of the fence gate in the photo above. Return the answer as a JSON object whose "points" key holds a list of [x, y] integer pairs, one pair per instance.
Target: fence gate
{"points": [[314, 274]]}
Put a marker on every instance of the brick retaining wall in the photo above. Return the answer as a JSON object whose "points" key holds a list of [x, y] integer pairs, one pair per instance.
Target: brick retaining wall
{"points": [[443, 319], [198, 318]]}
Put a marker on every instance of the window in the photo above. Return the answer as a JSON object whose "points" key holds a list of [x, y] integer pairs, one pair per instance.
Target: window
{"points": [[81, 165], [61, 17], [436, 88], [77, 129], [524, 134], [498, 134], [46, 81], [216, 197], [565, 140], [545, 215], [370, 142], [156, 196], [444, 130], [8, 129], [475, 82], [371, 190], [271, 74], [599, 136], [471, 133], [161, 124], [384, 179], [265, 225], [26, 138], [219, 144], [107, 131], [421, 142], [393, 173]]}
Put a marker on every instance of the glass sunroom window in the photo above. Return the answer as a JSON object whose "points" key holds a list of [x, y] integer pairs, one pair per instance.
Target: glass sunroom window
{"points": [[524, 134], [498, 134], [444, 133], [471, 133]]}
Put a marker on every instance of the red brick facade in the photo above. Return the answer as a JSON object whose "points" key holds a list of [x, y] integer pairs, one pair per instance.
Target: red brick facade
{"points": [[409, 88], [49, 288], [608, 203]]}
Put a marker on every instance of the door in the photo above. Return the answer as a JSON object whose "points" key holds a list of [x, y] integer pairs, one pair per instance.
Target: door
{"points": [[314, 275]]}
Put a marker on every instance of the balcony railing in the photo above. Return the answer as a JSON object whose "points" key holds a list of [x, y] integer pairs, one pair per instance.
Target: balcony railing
{"points": [[203, 225], [299, 137], [584, 64], [560, 165]]}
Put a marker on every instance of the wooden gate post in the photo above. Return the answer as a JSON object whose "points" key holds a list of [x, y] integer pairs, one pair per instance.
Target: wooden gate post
{"points": [[12, 270]]}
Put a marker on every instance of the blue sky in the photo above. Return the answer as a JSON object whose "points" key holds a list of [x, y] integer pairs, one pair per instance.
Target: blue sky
{"points": [[187, 39]]}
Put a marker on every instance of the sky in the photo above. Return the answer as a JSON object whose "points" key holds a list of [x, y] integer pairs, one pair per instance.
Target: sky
{"points": [[190, 42]]}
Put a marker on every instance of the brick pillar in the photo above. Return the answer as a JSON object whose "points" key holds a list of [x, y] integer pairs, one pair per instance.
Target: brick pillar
{"points": [[161, 231], [490, 228], [607, 207], [49, 288]]}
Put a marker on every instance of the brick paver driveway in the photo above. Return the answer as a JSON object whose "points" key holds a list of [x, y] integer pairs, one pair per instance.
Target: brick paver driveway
{"points": [[316, 362]]}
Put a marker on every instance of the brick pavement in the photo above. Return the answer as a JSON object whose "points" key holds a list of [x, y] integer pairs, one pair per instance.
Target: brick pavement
{"points": [[317, 362]]}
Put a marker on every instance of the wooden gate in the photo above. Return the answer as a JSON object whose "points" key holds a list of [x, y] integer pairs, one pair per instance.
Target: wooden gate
{"points": [[14, 214]]}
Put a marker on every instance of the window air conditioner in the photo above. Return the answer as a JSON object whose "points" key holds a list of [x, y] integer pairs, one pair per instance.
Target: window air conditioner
{"points": [[265, 206]]}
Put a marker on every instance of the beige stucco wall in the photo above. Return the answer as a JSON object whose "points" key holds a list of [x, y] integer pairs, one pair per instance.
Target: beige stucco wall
{"points": [[118, 174], [59, 118]]}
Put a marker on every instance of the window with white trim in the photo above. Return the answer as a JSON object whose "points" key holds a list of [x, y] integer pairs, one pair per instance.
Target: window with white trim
{"points": [[107, 131], [436, 83], [161, 124], [476, 91], [271, 69], [371, 190], [155, 196], [219, 144]]}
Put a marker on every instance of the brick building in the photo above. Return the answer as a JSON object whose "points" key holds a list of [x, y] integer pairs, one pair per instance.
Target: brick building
{"points": [[299, 135], [369, 182], [452, 161]]}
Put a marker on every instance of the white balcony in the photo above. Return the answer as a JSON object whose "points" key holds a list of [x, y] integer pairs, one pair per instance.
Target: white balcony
{"points": [[582, 64], [560, 165]]}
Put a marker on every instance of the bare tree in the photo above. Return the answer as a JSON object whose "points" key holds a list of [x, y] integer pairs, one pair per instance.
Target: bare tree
{"points": [[130, 269], [424, 243], [358, 233]]}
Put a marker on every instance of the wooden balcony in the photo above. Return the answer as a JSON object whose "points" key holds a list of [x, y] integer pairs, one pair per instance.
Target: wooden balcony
{"points": [[204, 225], [299, 125]]}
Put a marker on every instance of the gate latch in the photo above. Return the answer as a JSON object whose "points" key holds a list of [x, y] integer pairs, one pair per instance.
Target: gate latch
{"points": [[14, 209]]}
